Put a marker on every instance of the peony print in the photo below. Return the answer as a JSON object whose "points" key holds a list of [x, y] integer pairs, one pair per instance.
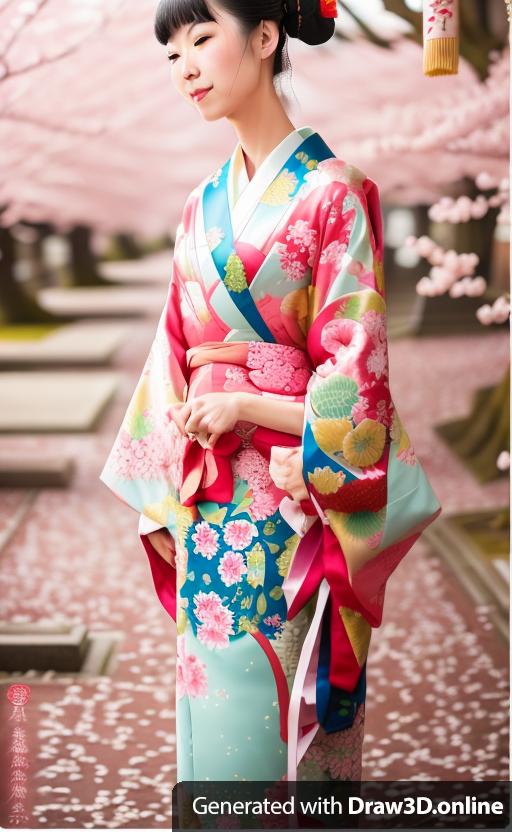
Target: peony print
{"points": [[217, 620], [206, 540], [231, 568], [239, 533]]}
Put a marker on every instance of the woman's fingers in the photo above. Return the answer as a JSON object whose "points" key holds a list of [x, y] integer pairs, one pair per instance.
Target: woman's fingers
{"points": [[163, 542], [179, 413]]}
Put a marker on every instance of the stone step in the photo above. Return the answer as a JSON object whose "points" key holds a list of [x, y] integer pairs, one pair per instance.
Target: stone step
{"points": [[39, 472], [79, 344], [58, 401]]}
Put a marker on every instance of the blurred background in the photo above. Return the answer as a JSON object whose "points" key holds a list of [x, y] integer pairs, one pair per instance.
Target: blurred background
{"points": [[97, 155]]}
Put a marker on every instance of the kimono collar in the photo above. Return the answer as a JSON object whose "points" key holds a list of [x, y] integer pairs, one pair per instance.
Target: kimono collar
{"points": [[244, 193]]}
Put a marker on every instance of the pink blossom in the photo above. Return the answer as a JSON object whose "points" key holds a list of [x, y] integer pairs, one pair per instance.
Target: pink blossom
{"points": [[231, 568], [206, 540], [191, 677], [239, 533]]}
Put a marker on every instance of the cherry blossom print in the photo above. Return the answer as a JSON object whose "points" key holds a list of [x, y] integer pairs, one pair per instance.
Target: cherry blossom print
{"points": [[149, 457], [191, 674], [217, 620], [206, 540], [239, 533], [304, 238], [231, 568], [214, 237], [375, 325], [274, 620], [377, 362], [294, 266], [334, 252]]}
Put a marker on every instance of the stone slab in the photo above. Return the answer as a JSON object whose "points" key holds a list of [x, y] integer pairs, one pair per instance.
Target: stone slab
{"points": [[82, 343], [36, 471], [58, 401], [102, 302]]}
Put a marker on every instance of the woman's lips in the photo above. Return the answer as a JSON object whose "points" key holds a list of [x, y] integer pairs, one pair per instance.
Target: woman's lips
{"points": [[200, 94]]}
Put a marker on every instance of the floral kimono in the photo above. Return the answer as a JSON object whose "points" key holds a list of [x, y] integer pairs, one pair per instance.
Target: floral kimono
{"points": [[277, 289]]}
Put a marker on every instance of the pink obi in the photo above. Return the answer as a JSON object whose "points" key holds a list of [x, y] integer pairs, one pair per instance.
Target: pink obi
{"points": [[254, 366]]}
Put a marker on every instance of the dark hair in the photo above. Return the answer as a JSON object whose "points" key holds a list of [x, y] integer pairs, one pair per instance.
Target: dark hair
{"points": [[297, 18]]}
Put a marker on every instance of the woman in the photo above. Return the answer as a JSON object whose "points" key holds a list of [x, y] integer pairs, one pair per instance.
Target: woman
{"points": [[278, 487]]}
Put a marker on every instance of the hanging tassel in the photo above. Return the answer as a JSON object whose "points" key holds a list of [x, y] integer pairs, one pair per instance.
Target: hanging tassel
{"points": [[328, 8], [440, 37]]}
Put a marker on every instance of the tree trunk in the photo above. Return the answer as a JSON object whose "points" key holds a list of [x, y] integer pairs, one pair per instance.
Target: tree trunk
{"points": [[83, 269], [16, 306]]}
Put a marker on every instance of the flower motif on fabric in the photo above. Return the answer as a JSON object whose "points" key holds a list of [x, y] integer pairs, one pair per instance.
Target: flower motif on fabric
{"points": [[216, 620], [334, 252], [292, 264], [364, 445], [281, 189], [325, 480], [231, 568], [191, 675], [377, 362], [263, 505], [338, 170], [274, 621], [235, 279], [337, 754], [304, 238], [148, 457], [278, 367], [375, 325], [215, 179], [235, 376], [214, 237], [206, 539], [239, 533]]}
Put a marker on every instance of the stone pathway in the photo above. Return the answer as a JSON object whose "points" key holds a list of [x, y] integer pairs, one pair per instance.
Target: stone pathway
{"points": [[102, 751]]}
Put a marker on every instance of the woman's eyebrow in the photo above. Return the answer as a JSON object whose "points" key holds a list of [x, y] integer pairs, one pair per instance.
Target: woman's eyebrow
{"points": [[195, 23]]}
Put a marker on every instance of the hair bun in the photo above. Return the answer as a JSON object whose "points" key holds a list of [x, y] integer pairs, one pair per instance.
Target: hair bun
{"points": [[303, 20]]}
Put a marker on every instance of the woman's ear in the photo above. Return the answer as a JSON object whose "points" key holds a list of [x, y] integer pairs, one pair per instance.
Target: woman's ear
{"points": [[269, 38]]}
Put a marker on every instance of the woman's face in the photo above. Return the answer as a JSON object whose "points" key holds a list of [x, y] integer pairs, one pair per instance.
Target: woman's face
{"points": [[217, 56]]}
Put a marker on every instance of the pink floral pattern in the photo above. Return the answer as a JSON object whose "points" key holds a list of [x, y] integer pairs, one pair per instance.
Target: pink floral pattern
{"points": [[155, 454], [251, 466], [278, 367], [216, 620], [239, 533], [231, 568], [337, 755], [191, 675], [206, 540]]}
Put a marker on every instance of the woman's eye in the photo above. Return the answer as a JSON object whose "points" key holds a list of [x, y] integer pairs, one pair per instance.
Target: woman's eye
{"points": [[173, 57]]}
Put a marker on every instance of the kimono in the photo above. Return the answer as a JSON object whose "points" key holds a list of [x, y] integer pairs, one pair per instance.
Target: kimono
{"points": [[277, 289]]}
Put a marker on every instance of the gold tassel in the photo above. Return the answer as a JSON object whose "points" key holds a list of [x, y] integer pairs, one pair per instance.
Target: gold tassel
{"points": [[440, 37]]}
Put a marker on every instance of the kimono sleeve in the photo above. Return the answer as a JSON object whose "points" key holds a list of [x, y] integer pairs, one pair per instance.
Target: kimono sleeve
{"points": [[359, 467], [143, 466]]}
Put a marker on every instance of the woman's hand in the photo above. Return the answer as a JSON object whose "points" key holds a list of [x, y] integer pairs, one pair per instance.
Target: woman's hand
{"points": [[211, 415], [286, 471], [163, 541]]}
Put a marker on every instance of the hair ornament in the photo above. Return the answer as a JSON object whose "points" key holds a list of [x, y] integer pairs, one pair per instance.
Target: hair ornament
{"points": [[311, 21], [328, 8]]}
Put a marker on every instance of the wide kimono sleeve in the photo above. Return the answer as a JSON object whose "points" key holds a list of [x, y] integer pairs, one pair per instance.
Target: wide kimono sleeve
{"points": [[144, 466], [359, 468]]}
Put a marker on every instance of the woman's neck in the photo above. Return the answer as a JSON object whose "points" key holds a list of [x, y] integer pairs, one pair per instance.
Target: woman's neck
{"points": [[261, 126]]}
